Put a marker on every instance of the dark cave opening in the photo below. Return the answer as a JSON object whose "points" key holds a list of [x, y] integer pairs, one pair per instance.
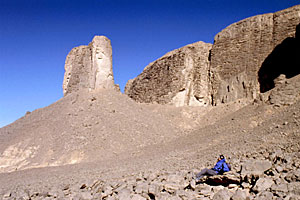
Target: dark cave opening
{"points": [[284, 59]]}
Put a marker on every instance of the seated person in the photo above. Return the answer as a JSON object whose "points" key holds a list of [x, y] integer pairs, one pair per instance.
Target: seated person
{"points": [[219, 168]]}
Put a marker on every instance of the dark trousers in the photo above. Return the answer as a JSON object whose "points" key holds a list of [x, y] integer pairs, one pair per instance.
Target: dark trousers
{"points": [[208, 172]]}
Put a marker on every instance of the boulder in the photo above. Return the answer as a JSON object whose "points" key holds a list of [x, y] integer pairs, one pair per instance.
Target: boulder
{"points": [[163, 196], [154, 188], [204, 189], [239, 195], [124, 194], [265, 195], [222, 195], [171, 187], [185, 194], [137, 197], [263, 184], [89, 67], [280, 188], [142, 187], [255, 167]]}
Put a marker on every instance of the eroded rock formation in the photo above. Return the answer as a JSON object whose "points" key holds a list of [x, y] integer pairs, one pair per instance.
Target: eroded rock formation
{"points": [[245, 59], [242, 58], [89, 67], [180, 78]]}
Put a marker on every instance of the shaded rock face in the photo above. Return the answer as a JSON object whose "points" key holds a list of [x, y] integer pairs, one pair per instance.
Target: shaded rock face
{"points": [[284, 60], [181, 77], [89, 67], [247, 56]]}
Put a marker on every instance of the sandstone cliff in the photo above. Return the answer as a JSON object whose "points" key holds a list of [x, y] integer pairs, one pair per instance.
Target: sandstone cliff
{"points": [[244, 61], [180, 78], [242, 64], [89, 67]]}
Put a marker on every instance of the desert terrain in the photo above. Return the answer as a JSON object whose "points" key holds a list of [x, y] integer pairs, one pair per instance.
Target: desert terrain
{"points": [[175, 118], [155, 141]]}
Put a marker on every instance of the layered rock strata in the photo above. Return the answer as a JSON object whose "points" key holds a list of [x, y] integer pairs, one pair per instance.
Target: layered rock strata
{"points": [[181, 77], [245, 60], [89, 67]]}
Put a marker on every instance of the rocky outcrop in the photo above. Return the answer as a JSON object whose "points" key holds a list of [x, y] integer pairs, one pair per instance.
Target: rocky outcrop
{"points": [[245, 60], [179, 78], [89, 67], [242, 58]]}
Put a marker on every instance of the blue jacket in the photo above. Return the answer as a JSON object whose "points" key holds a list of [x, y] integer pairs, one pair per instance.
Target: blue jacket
{"points": [[221, 167]]}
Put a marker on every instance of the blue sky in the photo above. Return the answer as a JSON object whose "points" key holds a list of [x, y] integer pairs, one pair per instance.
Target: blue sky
{"points": [[37, 35]]}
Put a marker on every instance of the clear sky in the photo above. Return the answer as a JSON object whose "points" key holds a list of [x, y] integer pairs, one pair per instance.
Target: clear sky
{"points": [[37, 35]]}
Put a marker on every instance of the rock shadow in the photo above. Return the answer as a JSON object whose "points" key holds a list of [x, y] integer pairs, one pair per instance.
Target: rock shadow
{"points": [[284, 59]]}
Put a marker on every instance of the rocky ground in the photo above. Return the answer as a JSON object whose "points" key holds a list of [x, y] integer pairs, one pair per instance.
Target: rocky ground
{"points": [[150, 151]]}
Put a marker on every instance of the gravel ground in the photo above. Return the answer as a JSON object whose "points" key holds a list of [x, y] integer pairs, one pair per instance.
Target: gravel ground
{"points": [[104, 135]]}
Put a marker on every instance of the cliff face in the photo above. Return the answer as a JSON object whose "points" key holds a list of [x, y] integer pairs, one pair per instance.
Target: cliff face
{"points": [[89, 67], [245, 59], [241, 65], [179, 78]]}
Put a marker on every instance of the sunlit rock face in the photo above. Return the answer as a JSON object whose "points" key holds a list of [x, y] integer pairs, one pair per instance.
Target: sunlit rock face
{"points": [[244, 61], [89, 67], [242, 57], [181, 77]]}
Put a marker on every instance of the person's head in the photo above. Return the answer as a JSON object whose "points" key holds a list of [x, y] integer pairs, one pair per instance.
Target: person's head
{"points": [[221, 157]]}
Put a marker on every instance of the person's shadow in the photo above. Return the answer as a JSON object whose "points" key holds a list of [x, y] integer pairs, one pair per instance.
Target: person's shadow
{"points": [[284, 59]]}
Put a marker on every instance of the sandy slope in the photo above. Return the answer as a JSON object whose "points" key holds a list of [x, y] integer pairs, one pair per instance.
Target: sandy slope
{"points": [[106, 135]]}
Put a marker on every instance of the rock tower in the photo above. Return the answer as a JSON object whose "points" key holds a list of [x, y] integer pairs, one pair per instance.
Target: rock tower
{"points": [[89, 67]]}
